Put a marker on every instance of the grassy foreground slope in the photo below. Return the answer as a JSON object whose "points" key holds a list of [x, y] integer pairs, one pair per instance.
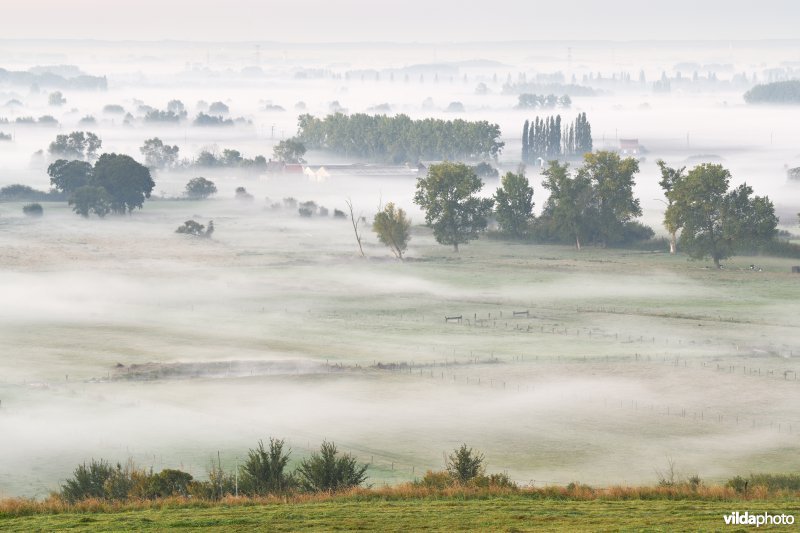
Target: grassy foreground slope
{"points": [[515, 512]]}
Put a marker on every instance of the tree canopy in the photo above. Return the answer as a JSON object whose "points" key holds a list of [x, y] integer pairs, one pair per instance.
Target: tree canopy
{"points": [[66, 176], [716, 221], [448, 197], [127, 182], [159, 155], [612, 180], [290, 151], [400, 139], [779, 92], [569, 207], [200, 188], [514, 204], [77, 145], [596, 205], [90, 199]]}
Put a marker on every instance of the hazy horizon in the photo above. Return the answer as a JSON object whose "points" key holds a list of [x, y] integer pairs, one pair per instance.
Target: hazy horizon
{"points": [[312, 21]]}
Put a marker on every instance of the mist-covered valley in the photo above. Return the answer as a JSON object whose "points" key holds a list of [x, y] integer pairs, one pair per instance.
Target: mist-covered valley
{"points": [[122, 339]]}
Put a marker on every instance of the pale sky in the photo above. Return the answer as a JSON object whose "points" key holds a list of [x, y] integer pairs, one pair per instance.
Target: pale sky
{"points": [[401, 21]]}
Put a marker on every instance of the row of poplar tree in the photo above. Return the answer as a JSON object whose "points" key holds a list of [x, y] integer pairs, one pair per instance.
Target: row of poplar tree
{"points": [[547, 138]]}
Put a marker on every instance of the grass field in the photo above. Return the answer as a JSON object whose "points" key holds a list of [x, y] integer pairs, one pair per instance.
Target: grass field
{"points": [[137, 343], [500, 513]]}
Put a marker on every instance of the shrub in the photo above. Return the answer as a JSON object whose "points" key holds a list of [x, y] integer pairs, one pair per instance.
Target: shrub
{"points": [[190, 227], [87, 481], [464, 464], [33, 210], [500, 481], [329, 471], [435, 480], [242, 194], [634, 231], [263, 472], [167, 483]]}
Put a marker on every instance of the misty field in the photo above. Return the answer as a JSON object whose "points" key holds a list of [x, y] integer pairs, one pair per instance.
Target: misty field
{"points": [[124, 340]]}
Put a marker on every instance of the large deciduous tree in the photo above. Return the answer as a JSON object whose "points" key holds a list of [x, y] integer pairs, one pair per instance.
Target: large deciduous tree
{"points": [[448, 195], [570, 206], [612, 180], [716, 221], [66, 176], [127, 182], [514, 204]]}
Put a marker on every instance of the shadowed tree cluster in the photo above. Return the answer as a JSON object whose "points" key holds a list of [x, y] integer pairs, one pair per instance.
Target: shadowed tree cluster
{"points": [[115, 183]]}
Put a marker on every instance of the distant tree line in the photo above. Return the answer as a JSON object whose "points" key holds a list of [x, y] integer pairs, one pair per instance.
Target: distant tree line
{"points": [[779, 92], [541, 101], [50, 79], [400, 139], [547, 139]]}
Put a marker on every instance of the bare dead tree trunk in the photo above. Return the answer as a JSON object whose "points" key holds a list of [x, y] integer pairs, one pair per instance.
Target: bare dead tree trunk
{"points": [[355, 221]]}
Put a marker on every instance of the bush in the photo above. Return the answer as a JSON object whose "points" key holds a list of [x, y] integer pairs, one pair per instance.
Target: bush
{"points": [[33, 210], [88, 481], [499, 481], [263, 472], [634, 231], [464, 464], [219, 484], [190, 227], [307, 209], [435, 480], [168, 483], [329, 471], [242, 194]]}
